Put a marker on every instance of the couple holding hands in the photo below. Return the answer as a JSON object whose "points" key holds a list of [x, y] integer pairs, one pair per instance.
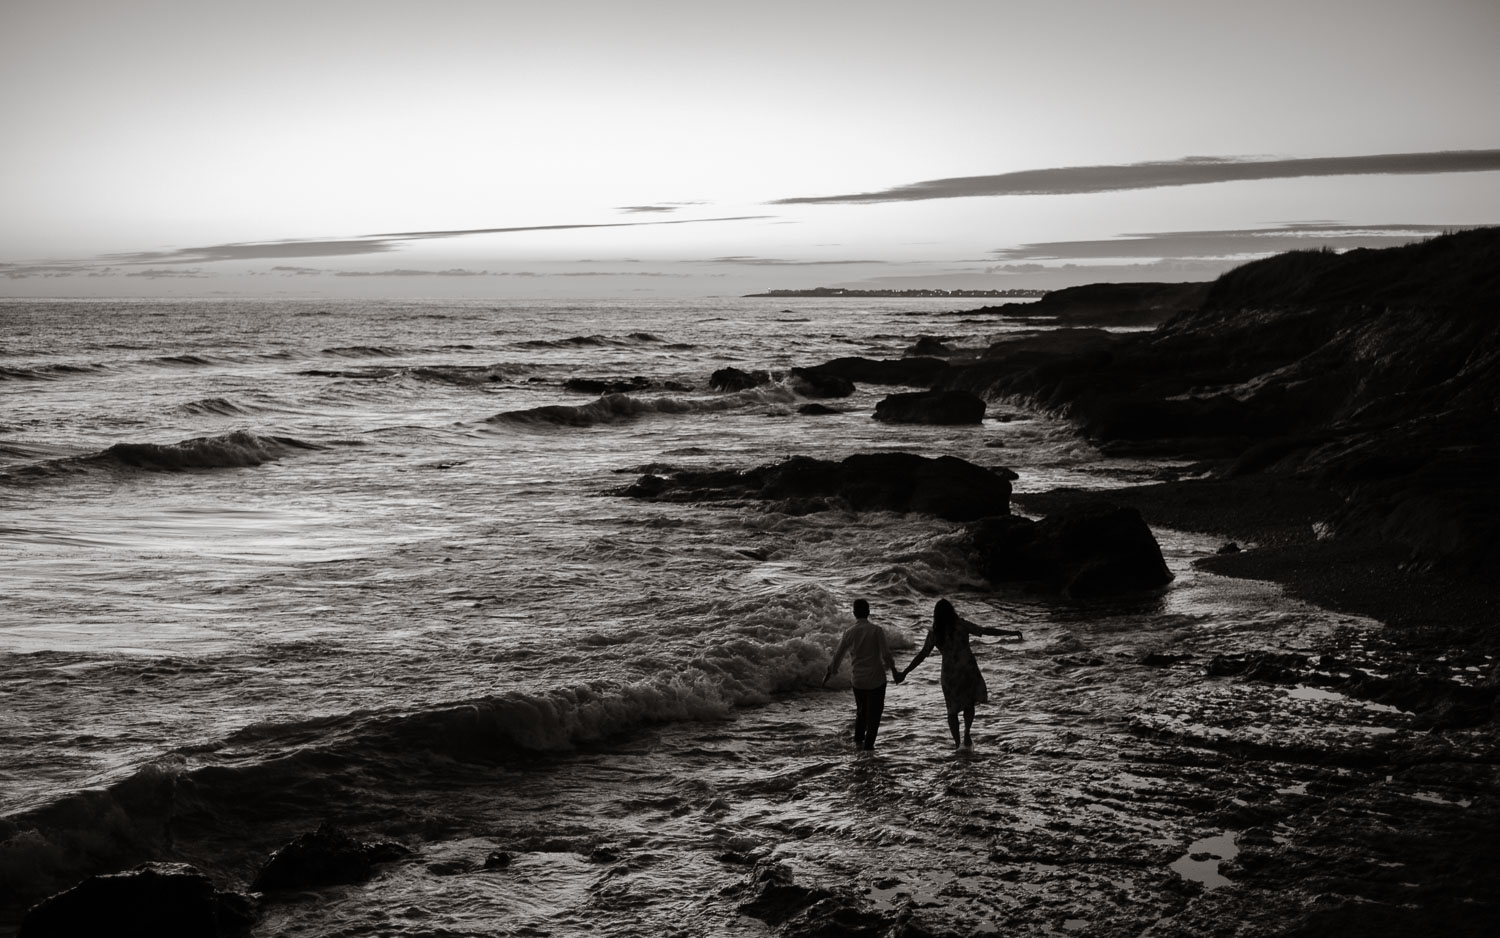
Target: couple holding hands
{"points": [[870, 656]]}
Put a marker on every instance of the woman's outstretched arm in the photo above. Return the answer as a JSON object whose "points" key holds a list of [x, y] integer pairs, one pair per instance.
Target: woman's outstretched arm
{"points": [[973, 629]]}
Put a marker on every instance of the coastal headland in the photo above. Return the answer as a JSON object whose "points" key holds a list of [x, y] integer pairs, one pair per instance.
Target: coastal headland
{"points": [[1335, 412], [1332, 418], [826, 292]]}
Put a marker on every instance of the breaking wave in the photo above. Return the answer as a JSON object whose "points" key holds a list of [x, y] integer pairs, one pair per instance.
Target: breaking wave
{"points": [[46, 372], [456, 375], [261, 771], [239, 449], [214, 407], [592, 341]]}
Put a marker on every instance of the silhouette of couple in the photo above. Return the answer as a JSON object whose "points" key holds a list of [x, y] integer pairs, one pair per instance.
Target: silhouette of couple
{"points": [[870, 656]]}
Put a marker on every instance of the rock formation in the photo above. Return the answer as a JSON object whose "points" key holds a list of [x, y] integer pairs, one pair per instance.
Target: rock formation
{"points": [[947, 486], [327, 856], [1373, 374], [1098, 550], [151, 901], [935, 407], [916, 372]]}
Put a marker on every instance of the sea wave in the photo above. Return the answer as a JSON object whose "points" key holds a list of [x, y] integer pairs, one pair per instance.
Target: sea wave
{"points": [[457, 375], [46, 372], [230, 450], [193, 361], [363, 351], [239, 449], [214, 407], [618, 408], [271, 774], [592, 341]]}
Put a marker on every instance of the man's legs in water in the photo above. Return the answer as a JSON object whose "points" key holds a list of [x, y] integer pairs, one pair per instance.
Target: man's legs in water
{"points": [[861, 717], [869, 704]]}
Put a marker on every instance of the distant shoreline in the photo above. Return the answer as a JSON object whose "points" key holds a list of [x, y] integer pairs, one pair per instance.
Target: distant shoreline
{"points": [[837, 292]]}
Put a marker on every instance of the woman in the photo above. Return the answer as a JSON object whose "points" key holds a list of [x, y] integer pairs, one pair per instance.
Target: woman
{"points": [[963, 685]]}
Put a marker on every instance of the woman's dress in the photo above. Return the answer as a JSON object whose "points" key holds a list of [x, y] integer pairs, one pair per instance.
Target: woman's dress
{"points": [[963, 685]]}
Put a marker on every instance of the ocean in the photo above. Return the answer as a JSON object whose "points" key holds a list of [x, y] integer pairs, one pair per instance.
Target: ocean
{"points": [[268, 564]]}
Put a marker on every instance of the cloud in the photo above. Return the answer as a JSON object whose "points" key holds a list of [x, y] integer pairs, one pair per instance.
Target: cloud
{"points": [[456, 233], [777, 262], [408, 272], [261, 250], [297, 271], [23, 271], [1238, 242], [614, 273], [658, 207], [163, 273], [368, 244], [1188, 171]]}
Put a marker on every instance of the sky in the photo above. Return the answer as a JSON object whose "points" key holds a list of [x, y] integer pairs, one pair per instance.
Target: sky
{"points": [[597, 148]]}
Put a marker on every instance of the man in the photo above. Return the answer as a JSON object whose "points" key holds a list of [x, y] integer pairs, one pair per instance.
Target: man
{"points": [[869, 657]]}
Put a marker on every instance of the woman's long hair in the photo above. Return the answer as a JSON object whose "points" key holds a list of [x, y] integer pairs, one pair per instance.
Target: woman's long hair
{"points": [[944, 620]]}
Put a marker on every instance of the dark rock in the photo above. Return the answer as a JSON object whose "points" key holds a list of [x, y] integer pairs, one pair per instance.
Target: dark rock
{"points": [[1021, 363], [604, 854], [1260, 666], [935, 407], [1436, 703], [916, 372], [817, 410], [497, 860], [1076, 661], [836, 917], [809, 383], [608, 385], [450, 867], [774, 897], [1111, 304], [1095, 550], [1159, 660], [946, 486], [734, 379], [647, 486], [735, 856], [1229, 548], [154, 900], [326, 857], [929, 346]]}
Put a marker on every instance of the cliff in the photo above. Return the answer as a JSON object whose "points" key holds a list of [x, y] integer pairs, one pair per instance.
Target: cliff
{"points": [[1372, 375], [1109, 304]]}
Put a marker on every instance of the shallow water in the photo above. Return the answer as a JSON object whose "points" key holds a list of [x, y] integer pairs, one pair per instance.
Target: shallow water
{"points": [[272, 563]]}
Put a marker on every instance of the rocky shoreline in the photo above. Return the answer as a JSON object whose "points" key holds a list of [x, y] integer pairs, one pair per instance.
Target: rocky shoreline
{"points": [[1337, 419], [1343, 460]]}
